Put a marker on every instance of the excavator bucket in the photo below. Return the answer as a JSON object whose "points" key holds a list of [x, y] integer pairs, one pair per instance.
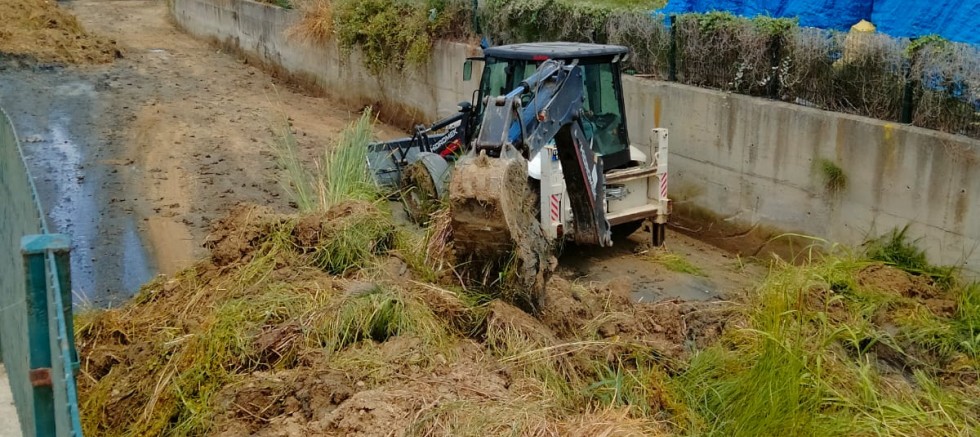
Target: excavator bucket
{"points": [[495, 220]]}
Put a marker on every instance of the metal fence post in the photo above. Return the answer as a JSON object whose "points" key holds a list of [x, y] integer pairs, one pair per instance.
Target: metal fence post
{"points": [[62, 259], [672, 52], [776, 53], [908, 93], [34, 249]]}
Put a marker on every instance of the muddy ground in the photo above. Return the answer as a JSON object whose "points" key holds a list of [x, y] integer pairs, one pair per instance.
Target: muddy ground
{"points": [[135, 158]]}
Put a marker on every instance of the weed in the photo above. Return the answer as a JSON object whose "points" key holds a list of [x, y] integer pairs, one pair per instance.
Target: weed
{"points": [[316, 22], [340, 175], [835, 180], [896, 249], [677, 263]]}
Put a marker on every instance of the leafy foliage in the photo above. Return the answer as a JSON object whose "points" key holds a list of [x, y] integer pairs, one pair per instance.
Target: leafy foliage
{"points": [[394, 33]]}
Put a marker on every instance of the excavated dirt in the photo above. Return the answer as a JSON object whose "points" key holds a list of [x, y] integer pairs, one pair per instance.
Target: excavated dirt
{"points": [[289, 385], [891, 280], [494, 223], [39, 30]]}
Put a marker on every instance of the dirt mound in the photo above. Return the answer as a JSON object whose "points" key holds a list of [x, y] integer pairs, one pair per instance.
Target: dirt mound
{"points": [[673, 328], [266, 338], [41, 30], [892, 280], [236, 236], [887, 279]]}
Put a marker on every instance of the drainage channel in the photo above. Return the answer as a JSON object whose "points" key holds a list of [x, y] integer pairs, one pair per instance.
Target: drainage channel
{"points": [[63, 127]]}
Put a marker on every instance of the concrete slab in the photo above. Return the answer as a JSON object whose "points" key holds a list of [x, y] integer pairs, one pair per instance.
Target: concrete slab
{"points": [[9, 424]]}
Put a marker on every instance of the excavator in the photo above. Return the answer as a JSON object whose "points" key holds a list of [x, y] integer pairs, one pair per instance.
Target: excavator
{"points": [[542, 156]]}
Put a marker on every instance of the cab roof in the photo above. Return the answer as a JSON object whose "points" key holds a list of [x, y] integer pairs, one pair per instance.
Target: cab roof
{"points": [[539, 51]]}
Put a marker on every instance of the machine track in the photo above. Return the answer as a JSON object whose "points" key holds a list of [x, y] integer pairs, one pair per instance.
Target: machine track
{"points": [[495, 225]]}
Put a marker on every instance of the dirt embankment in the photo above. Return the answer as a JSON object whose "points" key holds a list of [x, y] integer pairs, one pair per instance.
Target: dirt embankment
{"points": [[271, 344], [334, 324], [40, 30]]}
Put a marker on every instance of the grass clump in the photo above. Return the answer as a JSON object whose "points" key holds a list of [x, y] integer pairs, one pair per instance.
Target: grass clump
{"points": [[835, 180], [677, 263], [340, 174], [377, 314], [896, 249]]}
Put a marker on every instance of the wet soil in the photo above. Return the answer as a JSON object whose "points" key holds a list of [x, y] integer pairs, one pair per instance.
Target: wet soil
{"points": [[723, 275], [134, 159]]}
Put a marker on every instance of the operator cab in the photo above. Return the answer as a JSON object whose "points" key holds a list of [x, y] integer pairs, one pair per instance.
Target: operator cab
{"points": [[602, 119]]}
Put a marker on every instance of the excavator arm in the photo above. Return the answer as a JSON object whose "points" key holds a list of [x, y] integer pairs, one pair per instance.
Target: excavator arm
{"points": [[493, 203]]}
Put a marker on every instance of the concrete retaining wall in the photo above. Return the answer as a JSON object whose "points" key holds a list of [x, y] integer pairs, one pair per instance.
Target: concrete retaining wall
{"points": [[742, 169], [262, 31], [744, 165]]}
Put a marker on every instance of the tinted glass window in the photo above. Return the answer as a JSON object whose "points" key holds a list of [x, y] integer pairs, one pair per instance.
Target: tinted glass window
{"points": [[602, 118]]}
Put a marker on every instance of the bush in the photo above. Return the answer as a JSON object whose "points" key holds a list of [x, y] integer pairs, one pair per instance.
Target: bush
{"points": [[390, 33], [863, 74]]}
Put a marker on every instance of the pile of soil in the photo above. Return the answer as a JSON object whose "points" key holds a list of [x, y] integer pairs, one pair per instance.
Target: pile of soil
{"points": [[146, 367], [42, 31]]}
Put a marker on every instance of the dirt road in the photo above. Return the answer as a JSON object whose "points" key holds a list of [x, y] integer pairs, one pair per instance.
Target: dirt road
{"points": [[134, 159]]}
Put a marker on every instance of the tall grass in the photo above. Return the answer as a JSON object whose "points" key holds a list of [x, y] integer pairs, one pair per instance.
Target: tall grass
{"points": [[340, 173], [806, 365]]}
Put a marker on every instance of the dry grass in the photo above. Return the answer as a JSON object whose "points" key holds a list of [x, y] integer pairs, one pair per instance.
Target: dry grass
{"points": [[316, 23]]}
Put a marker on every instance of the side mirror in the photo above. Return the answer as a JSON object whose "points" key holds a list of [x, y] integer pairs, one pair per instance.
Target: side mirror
{"points": [[467, 70]]}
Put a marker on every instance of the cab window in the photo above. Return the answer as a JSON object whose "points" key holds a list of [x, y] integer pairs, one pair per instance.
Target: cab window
{"points": [[602, 118]]}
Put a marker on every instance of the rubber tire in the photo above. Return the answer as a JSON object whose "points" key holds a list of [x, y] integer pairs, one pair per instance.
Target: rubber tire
{"points": [[658, 232], [624, 230], [419, 200]]}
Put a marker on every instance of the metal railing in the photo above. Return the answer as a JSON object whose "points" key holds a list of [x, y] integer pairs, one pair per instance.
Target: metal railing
{"points": [[36, 326]]}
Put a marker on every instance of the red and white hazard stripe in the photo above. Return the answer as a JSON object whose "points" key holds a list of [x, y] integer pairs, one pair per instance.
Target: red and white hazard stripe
{"points": [[663, 185], [555, 207]]}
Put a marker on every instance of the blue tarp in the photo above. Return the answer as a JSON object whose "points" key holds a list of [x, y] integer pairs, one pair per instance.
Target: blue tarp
{"points": [[956, 20]]}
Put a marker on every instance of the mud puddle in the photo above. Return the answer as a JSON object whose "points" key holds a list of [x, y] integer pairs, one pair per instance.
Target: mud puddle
{"points": [[718, 275], [58, 115]]}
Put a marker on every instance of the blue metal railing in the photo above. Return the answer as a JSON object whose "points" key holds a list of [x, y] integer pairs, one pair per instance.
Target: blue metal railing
{"points": [[36, 326]]}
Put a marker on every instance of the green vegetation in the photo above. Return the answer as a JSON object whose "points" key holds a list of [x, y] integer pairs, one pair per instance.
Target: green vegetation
{"points": [[676, 263], [338, 175], [835, 180], [390, 34], [897, 250], [810, 362]]}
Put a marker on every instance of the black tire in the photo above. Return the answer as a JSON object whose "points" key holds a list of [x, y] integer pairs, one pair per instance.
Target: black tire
{"points": [[419, 195], [624, 230], [658, 233]]}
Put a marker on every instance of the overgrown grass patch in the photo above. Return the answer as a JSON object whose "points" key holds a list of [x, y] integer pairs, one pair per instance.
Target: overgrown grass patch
{"points": [[815, 357], [338, 175], [676, 262]]}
